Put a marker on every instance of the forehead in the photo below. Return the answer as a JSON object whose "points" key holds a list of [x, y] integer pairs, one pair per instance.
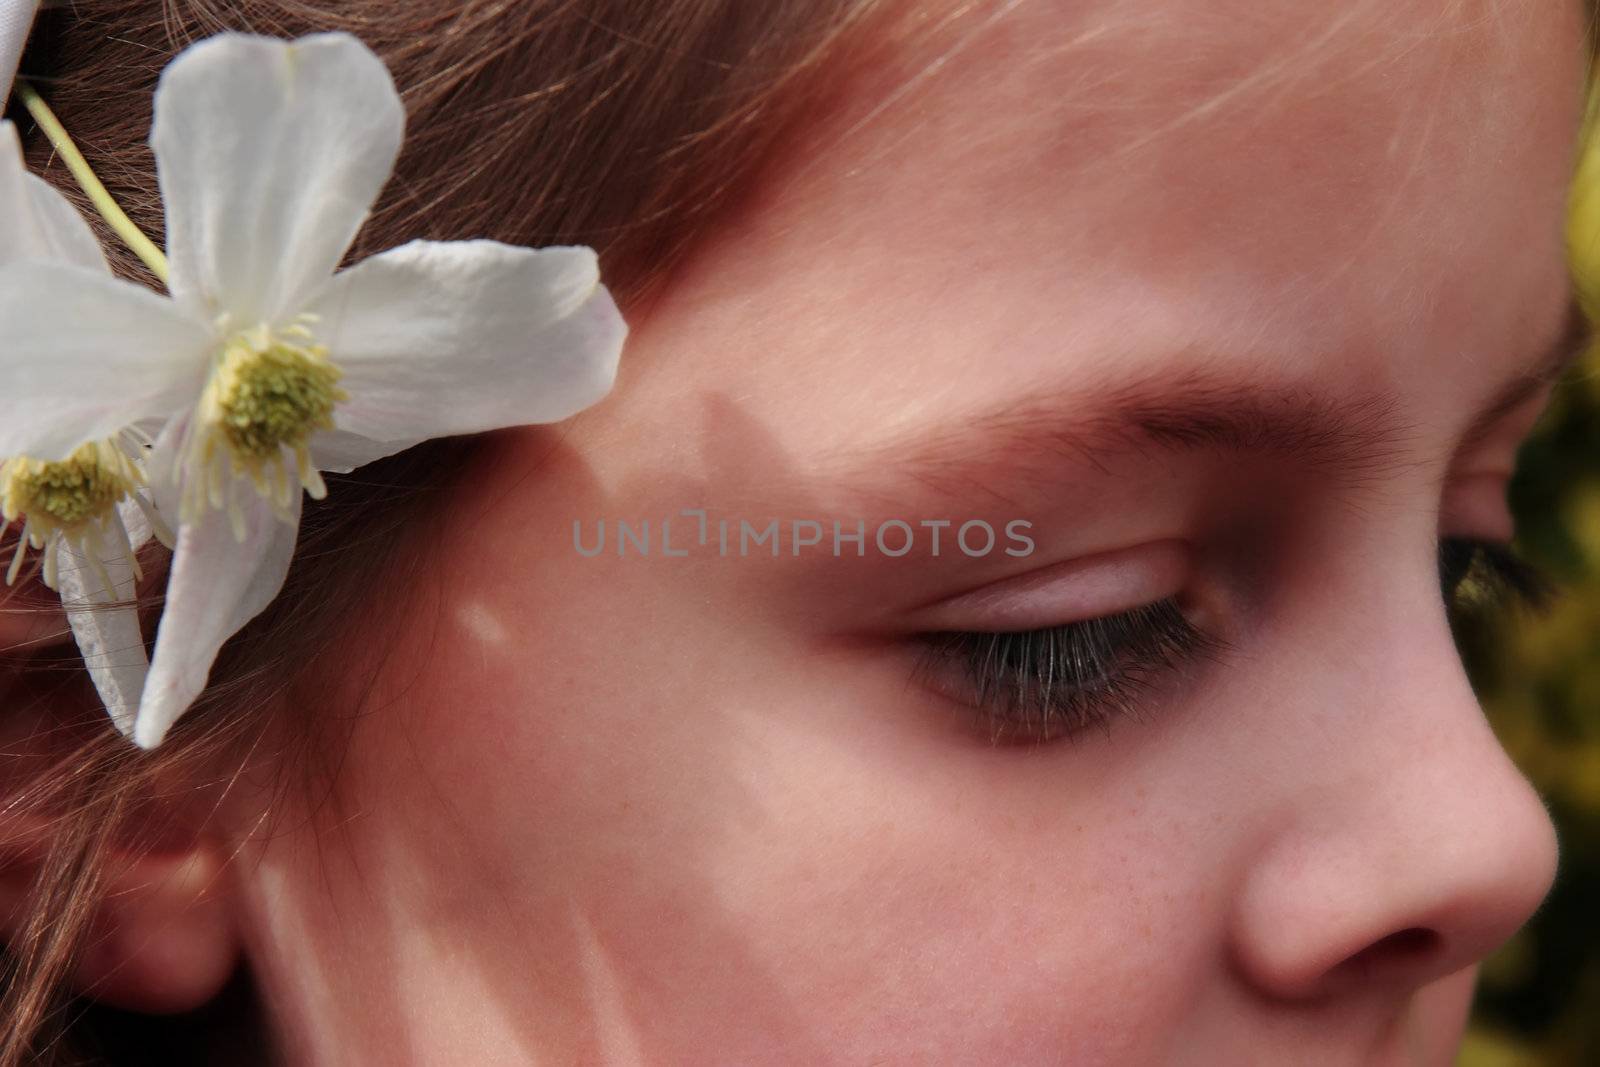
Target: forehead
{"points": [[1369, 196]]}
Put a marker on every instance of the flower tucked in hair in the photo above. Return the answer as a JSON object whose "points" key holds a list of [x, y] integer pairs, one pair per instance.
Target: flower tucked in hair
{"points": [[265, 366], [86, 511]]}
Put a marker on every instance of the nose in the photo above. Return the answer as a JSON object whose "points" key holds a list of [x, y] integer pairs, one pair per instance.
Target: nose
{"points": [[1410, 849]]}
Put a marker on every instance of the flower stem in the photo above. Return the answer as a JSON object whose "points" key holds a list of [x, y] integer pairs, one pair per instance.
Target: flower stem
{"points": [[131, 235]]}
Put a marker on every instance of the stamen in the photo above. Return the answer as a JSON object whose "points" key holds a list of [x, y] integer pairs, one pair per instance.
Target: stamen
{"points": [[16, 557], [71, 501], [158, 525], [135, 440], [269, 393], [52, 573], [122, 538], [236, 518]]}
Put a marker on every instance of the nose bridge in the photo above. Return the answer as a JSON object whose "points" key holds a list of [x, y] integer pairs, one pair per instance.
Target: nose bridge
{"points": [[1412, 846]]}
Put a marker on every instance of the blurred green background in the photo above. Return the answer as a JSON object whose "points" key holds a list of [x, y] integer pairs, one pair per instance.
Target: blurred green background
{"points": [[1539, 999], [1539, 677]]}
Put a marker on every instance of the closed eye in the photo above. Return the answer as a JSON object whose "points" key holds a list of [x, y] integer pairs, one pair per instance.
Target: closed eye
{"points": [[1056, 682], [1039, 685]]}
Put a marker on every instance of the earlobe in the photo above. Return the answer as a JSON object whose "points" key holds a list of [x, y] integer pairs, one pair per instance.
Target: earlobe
{"points": [[162, 938]]}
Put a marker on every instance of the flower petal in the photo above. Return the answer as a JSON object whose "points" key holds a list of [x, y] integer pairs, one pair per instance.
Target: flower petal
{"points": [[217, 584], [161, 466], [108, 637], [36, 221], [440, 338], [341, 452], [86, 355], [270, 154]]}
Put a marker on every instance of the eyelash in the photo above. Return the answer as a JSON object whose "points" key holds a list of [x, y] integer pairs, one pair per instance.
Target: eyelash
{"points": [[1039, 685], [1042, 684], [1499, 578]]}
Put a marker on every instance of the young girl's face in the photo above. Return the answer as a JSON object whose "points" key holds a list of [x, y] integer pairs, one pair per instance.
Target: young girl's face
{"points": [[1241, 307]]}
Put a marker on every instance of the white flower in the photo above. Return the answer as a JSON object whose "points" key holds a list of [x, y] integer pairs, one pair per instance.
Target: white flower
{"points": [[265, 366], [84, 511]]}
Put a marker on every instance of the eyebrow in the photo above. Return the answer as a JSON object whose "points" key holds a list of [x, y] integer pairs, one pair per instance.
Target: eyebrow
{"points": [[1350, 438]]}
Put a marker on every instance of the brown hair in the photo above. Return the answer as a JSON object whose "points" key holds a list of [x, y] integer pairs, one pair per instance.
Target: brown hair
{"points": [[627, 125]]}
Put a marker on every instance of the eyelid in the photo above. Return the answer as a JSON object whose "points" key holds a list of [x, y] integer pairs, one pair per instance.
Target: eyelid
{"points": [[1087, 587], [1475, 506], [1489, 454]]}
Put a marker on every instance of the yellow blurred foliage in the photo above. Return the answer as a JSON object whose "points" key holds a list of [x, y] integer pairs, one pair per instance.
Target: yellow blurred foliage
{"points": [[1539, 678]]}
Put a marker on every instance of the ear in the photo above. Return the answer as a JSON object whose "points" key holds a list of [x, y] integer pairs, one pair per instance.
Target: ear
{"points": [[162, 939]]}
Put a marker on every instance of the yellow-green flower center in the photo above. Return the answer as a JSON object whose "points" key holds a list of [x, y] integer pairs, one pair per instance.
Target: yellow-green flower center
{"points": [[273, 395], [72, 501], [270, 392], [66, 494]]}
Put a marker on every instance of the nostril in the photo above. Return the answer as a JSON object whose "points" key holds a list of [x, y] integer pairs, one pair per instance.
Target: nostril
{"points": [[1400, 953]]}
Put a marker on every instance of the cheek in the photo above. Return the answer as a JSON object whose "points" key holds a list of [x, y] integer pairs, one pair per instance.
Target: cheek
{"points": [[802, 840], [887, 890], [998, 906], [688, 798]]}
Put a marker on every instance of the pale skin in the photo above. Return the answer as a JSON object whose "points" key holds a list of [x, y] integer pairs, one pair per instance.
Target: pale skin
{"points": [[700, 810]]}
